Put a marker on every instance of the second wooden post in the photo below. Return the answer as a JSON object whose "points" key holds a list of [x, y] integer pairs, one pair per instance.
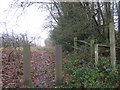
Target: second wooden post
{"points": [[112, 45], [58, 74]]}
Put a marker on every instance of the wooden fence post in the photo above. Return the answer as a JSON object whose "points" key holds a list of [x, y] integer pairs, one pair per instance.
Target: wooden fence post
{"points": [[58, 76], [91, 48], [112, 45], [75, 43], [26, 63], [96, 54]]}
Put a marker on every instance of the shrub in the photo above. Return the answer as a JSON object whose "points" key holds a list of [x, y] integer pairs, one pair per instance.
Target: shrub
{"points": [[84, 74]]}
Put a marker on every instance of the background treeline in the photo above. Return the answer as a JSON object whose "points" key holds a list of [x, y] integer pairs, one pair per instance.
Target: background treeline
{"points": [[85, 20]]}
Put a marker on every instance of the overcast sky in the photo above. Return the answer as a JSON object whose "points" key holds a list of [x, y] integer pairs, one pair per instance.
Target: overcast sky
{"points": [[32, 20]]}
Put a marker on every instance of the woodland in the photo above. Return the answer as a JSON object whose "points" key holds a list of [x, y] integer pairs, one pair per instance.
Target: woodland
{"points": [[81, 67]]}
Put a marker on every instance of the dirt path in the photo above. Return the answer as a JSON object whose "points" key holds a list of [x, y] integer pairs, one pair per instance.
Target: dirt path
{"points": [[41, 77], [42, 61]]}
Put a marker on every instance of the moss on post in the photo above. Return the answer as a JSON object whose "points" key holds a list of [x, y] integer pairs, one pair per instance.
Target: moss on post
{"points": [[96, 54], [75, 43]]}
